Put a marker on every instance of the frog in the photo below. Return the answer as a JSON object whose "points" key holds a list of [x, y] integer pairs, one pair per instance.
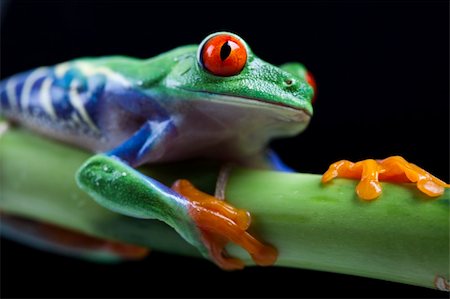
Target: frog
{"points": [[215, 100]]}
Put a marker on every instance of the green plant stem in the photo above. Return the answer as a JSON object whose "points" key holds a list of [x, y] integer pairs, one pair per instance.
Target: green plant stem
{"points": [[403, 236]]}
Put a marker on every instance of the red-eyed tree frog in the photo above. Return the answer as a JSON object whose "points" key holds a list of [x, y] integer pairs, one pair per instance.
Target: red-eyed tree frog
{"points": [[213, 100]]}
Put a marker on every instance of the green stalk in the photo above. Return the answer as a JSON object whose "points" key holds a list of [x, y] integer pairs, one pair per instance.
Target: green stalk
{"points": [[403, 236]]}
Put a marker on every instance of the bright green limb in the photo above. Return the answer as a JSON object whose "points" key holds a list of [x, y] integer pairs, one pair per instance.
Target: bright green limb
{"points": [[122, 189], [403, 236]]}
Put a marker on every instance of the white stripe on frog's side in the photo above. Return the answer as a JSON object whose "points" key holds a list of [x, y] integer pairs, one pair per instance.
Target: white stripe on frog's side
{"points": [[28, 85], [89, 70], [11, 93], [77, 103], [61, 69], [46, 98]]}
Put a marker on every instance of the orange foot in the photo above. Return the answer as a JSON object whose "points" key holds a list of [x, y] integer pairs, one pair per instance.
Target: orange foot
{"points": [[393, 169], [221, 223]]}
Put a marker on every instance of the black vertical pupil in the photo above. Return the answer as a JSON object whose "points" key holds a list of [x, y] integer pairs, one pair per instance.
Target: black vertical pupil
{"points": [[225, 51]]}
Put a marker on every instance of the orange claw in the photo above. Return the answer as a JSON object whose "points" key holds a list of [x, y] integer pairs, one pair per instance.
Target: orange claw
{"points": [[393, 169], [221, 223]]}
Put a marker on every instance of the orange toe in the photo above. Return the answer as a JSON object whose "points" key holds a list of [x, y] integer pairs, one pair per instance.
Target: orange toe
{"points": [[397, 166], [368, 189], [430, 188], [343, 168], [366, 171]]}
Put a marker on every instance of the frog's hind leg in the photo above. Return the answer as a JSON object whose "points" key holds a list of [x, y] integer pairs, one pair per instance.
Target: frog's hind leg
{"points": [[204, 221], [64, 241]]}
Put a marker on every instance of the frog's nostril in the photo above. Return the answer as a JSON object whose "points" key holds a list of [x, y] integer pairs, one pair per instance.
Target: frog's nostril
{"points": [[289, 81]]}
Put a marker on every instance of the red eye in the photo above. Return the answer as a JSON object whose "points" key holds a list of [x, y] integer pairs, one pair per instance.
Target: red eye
{"points": [[223, 55], [310, 79]]}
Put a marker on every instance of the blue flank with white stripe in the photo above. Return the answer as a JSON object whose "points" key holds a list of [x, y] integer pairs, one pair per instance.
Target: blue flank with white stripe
{"points": [[66, 97]]}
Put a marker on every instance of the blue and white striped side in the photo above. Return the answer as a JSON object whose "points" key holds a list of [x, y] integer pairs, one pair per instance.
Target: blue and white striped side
{"points": [[66, 94]]}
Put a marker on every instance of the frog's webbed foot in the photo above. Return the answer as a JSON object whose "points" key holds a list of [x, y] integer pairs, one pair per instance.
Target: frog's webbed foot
{"points": [[393, 169], [220, 223]]}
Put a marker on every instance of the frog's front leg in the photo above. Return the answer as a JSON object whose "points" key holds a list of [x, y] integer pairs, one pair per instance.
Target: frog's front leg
{"points": [[204, 221], [393, 169]]}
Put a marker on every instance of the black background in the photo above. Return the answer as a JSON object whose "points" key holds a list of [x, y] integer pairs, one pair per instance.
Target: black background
{"points": [[382, 74]]}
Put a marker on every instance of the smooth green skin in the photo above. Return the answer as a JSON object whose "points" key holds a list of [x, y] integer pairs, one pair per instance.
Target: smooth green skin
{"points": [[403, 236]]}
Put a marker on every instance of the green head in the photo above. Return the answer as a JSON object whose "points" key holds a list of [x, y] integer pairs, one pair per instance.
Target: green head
{"points": [[235, 91], [225, 65]]}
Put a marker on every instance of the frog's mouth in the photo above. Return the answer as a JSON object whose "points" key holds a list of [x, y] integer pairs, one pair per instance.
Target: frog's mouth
{"points": [[269, 105], [278, 110]]}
